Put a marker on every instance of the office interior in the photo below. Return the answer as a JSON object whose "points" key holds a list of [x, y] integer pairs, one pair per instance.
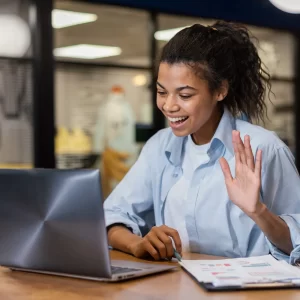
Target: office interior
{"points": [[69, 58]]}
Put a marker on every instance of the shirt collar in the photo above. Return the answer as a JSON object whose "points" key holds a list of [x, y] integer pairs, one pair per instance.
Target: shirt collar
{"points": [[223, 136], [223, 133]]}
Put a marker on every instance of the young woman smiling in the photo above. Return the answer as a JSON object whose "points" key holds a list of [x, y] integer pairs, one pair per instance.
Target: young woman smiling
{"points": [[208, 78]]}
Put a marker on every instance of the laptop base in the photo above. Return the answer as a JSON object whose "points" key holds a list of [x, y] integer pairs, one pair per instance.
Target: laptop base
{"points": [[140, 270]]}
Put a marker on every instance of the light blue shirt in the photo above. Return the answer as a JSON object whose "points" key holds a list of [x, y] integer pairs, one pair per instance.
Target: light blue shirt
{"points": [[214, 224]]}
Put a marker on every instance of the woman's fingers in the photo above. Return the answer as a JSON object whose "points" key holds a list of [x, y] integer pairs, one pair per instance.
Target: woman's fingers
{"points": [[236, 149], [239, 146], [248, 152], [258, 163], [149, 248], [158, 245], [160, 238], [167, 242], [226, 170], [243, 155], [242, 150], [174, 235]]}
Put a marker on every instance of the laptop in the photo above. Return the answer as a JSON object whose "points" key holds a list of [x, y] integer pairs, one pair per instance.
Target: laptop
{"points": [[52, 222]]}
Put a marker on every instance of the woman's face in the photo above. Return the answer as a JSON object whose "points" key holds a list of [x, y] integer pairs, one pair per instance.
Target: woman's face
{"points": [[187, 102]]}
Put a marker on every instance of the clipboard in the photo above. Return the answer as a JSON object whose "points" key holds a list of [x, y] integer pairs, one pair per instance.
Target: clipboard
{"points": [[209, 287], [239, 285], [255, 286]]}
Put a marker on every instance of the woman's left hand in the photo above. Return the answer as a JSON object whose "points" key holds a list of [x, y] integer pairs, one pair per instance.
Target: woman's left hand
{"points": [[244, 189]]}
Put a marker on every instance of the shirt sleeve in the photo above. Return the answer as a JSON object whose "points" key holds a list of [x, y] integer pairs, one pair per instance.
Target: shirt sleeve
{"points": [[281, 194], [131, 202]]}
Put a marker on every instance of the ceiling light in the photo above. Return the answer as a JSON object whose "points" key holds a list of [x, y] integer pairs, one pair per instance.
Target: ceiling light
{"points": [[166, 35], [85, 51], [65, 18], [289, 6], [139, 80]]}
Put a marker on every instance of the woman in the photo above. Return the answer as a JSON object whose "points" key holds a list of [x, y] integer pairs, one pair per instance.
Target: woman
{"points": [[208, 77]]}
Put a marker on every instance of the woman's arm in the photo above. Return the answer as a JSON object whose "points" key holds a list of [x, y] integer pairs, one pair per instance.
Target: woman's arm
{"points": [[274, 228], [157, 243], [244, 191], [129, 213], [121, 238]]}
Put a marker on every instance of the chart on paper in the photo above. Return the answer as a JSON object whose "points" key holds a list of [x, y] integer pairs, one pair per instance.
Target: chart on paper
{"points": [[241, 270]]}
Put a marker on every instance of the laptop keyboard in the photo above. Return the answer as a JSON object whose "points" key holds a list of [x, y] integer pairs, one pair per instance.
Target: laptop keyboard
{"points": [[118, 270]]}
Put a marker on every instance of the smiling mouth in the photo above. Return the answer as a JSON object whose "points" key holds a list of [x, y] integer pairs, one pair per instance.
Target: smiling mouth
{"points": [[178, 120]]}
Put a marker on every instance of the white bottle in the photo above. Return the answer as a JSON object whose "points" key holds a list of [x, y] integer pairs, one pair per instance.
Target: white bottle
{"points": [[115, 127]]}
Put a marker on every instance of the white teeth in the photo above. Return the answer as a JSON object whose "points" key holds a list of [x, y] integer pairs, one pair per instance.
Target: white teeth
{"points": [[177, 119]]}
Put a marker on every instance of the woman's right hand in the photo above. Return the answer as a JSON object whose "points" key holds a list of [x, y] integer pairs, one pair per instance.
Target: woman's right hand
{"points": [[157, 243]]}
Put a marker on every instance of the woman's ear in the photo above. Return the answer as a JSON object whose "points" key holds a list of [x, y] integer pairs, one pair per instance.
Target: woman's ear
{"points": [[223, 90]]}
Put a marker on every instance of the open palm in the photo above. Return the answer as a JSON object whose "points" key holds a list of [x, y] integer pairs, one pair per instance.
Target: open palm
{"points": [[243, 190]]}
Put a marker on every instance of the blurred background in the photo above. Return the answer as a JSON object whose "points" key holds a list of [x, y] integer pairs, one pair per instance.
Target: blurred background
{"points": [[76, 77]]}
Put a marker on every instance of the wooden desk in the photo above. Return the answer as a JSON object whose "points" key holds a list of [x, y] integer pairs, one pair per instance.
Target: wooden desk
{"points": [[171, 285]]}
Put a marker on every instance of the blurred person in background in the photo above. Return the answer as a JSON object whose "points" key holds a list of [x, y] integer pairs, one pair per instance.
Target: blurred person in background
{"points": [[114, 138]]}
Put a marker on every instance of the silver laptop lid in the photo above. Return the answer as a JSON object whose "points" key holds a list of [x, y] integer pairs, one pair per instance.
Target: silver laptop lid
{"points": [[53, 220]]}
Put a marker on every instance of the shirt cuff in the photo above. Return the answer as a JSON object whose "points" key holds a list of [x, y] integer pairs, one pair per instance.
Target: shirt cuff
{"points": [[118, 218], [294, 257]]}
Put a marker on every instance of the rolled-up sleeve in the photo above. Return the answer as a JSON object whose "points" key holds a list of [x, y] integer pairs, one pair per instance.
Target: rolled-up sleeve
{"points": [[281, 194], [131, 202]]}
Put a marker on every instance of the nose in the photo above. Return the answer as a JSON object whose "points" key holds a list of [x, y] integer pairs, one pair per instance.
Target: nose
{"points": [[170, 104]]}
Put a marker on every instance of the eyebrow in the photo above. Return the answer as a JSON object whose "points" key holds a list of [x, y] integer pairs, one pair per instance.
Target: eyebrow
{"points": [[179, 88]]}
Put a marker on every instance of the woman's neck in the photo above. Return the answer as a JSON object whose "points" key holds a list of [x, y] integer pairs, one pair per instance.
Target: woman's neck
{"points": [[207, 131]]}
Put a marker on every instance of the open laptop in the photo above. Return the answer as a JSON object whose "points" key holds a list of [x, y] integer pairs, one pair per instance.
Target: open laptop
{"points": [[52, 221]]}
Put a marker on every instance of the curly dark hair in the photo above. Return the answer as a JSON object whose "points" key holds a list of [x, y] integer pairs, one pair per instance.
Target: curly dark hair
{"points": [[224, 51]]}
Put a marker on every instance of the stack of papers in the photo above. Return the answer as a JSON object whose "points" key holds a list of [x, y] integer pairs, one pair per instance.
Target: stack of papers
{"points": [[242, 271]]}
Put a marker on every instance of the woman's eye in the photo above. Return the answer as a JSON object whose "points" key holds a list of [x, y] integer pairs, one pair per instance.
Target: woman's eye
{"points": [[161, 93], [185, 96]]}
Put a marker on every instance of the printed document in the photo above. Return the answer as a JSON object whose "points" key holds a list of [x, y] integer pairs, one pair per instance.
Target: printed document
{"points": [[239, 271]]}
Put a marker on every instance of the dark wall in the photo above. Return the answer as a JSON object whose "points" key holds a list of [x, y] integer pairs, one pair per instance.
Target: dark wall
{"points": [[257, 12]]}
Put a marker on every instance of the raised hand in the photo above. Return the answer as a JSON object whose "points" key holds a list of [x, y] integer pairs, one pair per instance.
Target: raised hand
{"points": [[243, 190]]}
